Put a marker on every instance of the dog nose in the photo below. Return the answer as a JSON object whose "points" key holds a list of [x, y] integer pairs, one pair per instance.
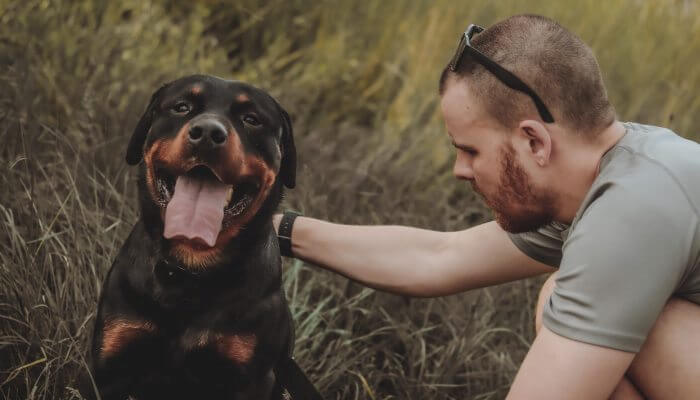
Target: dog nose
{"points": [[208, 132]]}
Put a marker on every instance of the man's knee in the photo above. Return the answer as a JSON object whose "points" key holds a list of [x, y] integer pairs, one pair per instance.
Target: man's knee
{"points": [[543, 297], [667, 365]]}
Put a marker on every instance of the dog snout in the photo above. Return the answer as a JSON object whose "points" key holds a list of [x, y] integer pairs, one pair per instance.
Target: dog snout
{"points": [[207, 133]]}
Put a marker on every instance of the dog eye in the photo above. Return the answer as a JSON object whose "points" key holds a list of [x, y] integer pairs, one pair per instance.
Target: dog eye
{"points": [[251, 119], [181, 108]]}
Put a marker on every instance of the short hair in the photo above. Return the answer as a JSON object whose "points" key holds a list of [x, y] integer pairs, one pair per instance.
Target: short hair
{"points": [[554, 62]]}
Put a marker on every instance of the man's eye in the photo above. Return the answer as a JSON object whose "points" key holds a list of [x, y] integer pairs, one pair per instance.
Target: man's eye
{"points": [[468, 150], [181, 108], [251, 119]]}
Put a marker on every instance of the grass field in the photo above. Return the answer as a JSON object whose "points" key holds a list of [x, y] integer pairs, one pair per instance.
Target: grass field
{"points": [[360, 80]]}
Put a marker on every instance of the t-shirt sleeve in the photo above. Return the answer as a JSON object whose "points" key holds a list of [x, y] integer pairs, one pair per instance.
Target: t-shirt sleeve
{"points": [[622, 262], [543, 244]]}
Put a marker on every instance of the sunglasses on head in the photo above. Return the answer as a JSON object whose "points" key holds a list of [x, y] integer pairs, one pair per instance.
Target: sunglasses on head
{"points": [[505, 76]]}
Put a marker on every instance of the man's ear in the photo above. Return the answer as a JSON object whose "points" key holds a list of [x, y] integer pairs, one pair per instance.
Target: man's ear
{"points": [[134, 152], [288, 166], [539, 140]]}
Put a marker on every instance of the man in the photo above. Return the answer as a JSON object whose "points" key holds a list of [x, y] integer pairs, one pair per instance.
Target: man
{"points": [[615, 206]]}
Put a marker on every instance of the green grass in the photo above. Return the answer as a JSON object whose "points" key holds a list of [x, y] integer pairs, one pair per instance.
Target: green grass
{"points": [[360, 79]]}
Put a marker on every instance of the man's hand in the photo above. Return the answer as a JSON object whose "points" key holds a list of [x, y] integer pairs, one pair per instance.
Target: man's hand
{"points": [[558, 368]]}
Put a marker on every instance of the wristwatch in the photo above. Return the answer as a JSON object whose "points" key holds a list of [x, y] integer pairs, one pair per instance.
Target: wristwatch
{"points": [[284, 233]]}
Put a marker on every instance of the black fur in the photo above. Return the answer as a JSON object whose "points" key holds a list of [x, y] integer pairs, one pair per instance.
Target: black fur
{"points": [[177, 305]]}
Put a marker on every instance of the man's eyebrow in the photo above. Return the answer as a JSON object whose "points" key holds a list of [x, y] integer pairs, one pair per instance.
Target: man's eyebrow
{"points": [[459, 146], [463, 147]]}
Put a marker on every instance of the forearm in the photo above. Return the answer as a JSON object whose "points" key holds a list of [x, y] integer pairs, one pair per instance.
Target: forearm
{"points": [[397, 259]]}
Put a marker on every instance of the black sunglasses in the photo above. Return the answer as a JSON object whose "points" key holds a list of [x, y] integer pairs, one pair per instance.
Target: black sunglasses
{"points": [[505, 76]]}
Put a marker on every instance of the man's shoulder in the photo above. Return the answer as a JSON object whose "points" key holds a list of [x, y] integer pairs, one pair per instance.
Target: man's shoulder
{"points": [[646, 147], [650, 166], [659, 145], [636, 194], [649, 178]]}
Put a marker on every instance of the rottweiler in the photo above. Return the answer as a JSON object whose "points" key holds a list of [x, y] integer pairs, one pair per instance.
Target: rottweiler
{"points": [[193, 306]]}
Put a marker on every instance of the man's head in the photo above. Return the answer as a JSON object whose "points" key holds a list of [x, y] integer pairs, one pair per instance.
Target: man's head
{"points": [[554, 62], [505, 148], [490, 162]]}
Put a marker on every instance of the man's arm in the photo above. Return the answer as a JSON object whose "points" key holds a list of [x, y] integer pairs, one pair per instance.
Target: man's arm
{"points": [[411, 261], [558, 368]]}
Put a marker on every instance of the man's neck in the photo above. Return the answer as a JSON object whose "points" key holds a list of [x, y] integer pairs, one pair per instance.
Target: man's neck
{"points": [[582, 168]]}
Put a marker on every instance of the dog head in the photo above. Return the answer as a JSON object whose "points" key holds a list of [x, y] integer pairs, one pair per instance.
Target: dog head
{"points": [[214, 155]]}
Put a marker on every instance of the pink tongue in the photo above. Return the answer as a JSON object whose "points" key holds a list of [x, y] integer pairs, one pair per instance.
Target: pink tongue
{"points": [[196, 210]]}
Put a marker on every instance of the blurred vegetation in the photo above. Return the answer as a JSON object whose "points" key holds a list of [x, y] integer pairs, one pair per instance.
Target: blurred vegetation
{"points": [[360, 80]]}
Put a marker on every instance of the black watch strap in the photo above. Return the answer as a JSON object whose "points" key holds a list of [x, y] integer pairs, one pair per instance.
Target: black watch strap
{"points": [[284, 233]]}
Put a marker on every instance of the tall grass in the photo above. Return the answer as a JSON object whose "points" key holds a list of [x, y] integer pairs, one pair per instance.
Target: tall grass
{"points": [[359, 79]]}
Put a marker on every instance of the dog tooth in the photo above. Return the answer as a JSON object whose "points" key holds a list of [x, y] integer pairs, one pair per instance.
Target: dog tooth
{"points": [[229, 194]]}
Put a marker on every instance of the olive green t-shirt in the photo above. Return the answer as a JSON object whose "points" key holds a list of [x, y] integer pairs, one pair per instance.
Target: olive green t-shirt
{"points": [[634, 242]]}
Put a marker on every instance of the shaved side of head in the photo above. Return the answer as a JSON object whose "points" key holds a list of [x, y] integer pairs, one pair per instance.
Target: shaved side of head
{"points": [[553, 61]]}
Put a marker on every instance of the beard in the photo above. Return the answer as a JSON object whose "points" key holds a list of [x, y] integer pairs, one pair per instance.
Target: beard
{"points": [[517, 205]]}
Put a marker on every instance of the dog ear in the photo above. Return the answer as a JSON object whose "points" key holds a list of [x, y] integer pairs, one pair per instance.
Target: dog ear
{"points": [[288, 167], [134, 153]]}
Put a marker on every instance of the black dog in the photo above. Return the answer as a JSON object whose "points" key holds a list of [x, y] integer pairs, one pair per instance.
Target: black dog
{"points": [[193, 307]]}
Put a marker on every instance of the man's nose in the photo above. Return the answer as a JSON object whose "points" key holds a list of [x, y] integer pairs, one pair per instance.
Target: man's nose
{"points": [[463, 168], [207, 133]]}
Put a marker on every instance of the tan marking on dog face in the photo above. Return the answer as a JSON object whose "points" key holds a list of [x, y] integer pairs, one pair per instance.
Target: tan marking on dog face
{"points": [[237, 348], [230, 166], [254, 166], [172, 153], [119, 332], [169, 152], [196, 89], [233, 167], [150, 171], [242, 98], [196, 256]]}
